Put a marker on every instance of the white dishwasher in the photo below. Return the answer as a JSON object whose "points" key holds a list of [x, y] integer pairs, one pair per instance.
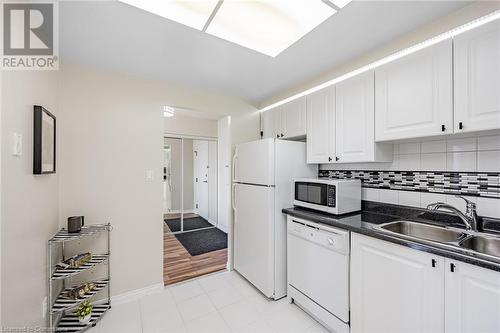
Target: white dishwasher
{"points": [[318, 271]]}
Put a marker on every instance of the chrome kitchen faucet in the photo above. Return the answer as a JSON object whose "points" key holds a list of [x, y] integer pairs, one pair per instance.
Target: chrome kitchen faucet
{"points": [[469, 218]]}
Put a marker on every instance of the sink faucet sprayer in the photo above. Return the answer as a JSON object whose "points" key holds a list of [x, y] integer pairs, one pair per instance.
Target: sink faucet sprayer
{"points": [[469, 218]]}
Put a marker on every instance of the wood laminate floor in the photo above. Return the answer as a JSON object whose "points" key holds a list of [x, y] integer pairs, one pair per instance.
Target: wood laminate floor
{"points": [[179, 265]]}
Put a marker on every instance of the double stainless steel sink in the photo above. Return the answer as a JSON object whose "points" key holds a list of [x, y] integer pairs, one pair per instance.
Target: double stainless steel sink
{"points": [[477, 243]]}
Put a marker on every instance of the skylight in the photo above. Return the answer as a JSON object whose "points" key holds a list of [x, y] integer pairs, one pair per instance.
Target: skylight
{"points": [[266, 26], [193, 13]]}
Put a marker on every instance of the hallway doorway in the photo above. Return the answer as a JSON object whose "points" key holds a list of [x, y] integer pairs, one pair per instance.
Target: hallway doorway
{"points": [[193, 243]]}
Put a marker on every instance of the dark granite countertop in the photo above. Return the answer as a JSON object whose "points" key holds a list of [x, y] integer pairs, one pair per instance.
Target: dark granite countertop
{"points": [[372, 214]]}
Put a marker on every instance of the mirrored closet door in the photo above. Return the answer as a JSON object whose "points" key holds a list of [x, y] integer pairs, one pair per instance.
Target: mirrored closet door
{"points": [[190, 184]]}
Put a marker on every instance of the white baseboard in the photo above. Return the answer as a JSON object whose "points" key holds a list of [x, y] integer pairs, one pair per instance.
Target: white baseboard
{"points": [[137, 293]]}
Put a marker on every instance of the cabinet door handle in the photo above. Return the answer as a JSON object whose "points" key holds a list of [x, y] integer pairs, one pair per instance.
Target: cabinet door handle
{"points": [[282, 135], [452, 267], [329, 159], [337, 158], [433, 262], [277, 136], [443, 128], [460, 125]]}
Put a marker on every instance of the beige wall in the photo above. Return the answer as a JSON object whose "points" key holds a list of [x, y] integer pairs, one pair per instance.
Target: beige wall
{"points": [[111, 132], [444, 24], [29, 205], [181, 125]]}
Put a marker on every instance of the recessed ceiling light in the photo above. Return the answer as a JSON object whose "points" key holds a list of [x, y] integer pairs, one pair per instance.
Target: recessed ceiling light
{"points": [[267, 26], [193, 13], [168, 111]]}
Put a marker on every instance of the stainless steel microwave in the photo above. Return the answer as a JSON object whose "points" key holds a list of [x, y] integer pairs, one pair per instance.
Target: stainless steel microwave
{"points": [[334, 196]]}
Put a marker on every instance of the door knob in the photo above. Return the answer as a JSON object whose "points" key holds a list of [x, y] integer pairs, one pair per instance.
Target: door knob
{"points": [[330, 241]]}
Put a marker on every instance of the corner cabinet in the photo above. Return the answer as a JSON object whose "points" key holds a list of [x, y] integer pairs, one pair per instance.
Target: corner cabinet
{"points": [[320, 128], [354, 122], [286, 121], [472, 298], [394, 288], [477, 79], [413, 95]]}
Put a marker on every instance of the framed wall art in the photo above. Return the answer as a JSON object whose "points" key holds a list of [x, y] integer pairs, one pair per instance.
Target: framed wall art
{"points": [[44, 141]]}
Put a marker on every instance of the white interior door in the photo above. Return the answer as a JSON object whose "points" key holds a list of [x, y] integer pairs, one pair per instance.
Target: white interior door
{"points": [[200, 166], [254, 235]]}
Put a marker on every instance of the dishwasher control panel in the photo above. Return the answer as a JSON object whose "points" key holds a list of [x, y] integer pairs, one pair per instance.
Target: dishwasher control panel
{"points": [[330, 237]]}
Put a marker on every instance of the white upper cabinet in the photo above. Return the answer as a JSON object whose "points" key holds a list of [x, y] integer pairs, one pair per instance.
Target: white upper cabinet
{"points": [[477, 79], [321, 126], [271, 123], [355, 122], [285, 121], [413, 95], [395, 288], [293, 119], [472, 298]]}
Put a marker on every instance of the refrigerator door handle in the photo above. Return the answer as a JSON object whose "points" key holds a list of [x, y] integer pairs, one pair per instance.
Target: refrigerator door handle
{"points": [[235, 157], [233, 197]]}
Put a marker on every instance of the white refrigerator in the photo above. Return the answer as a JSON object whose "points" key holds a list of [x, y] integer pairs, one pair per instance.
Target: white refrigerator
{"points": [[262, 186]]}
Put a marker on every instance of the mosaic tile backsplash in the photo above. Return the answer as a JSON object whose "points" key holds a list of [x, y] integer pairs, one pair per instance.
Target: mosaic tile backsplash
{"points": [[480, 184]]}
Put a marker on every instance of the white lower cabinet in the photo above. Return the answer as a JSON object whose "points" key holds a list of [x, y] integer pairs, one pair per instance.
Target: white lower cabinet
{"points": [[394, 288], [472, 298], [398, 289]]}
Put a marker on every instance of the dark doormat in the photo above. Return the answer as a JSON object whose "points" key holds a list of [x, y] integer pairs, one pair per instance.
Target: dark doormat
{"points": [[191, 223], [203, 241]]}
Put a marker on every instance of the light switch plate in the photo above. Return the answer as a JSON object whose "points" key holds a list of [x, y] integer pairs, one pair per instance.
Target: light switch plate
{"points": [[17, 146]]}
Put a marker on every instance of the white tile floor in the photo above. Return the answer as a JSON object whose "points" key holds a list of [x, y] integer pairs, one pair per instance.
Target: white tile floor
{"points": [[222, 302]]}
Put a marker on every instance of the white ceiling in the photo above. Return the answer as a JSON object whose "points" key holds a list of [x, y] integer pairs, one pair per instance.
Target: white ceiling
{"points": [[116, 36]]}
